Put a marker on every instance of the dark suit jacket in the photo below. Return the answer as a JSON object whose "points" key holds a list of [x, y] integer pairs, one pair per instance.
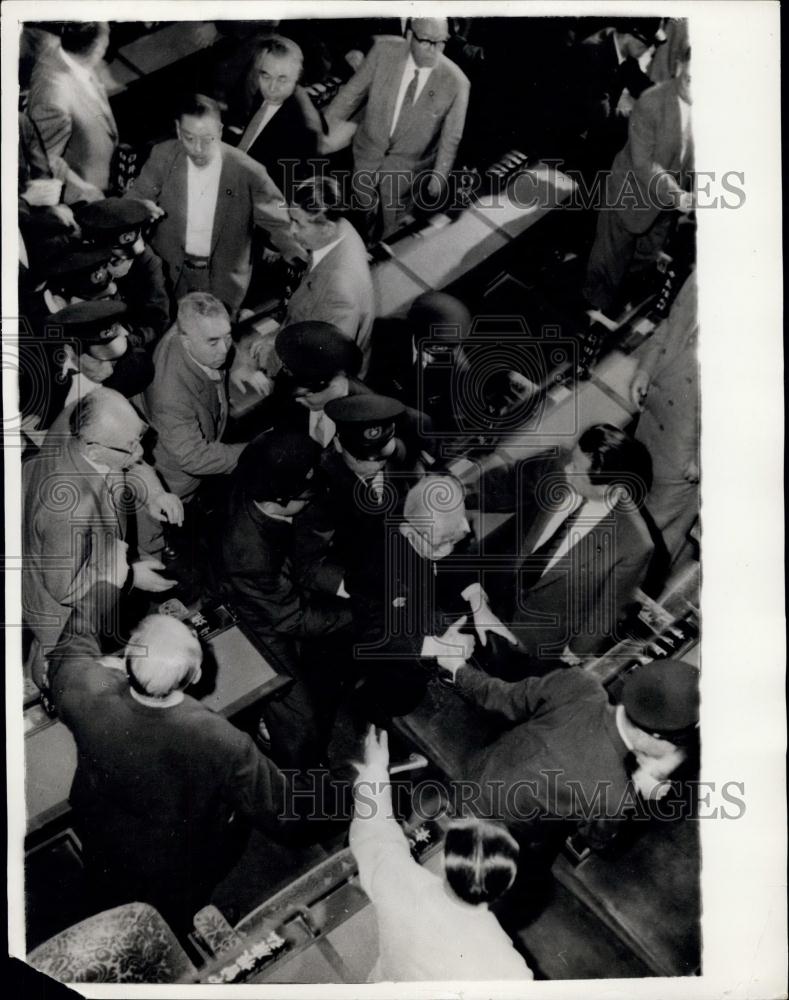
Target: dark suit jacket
{"points": [[431, 136], [145, 293], [247, 198], [73, 120], [287, 136], [564, 731], [271, 567], [154, 788], [581, 599], [650, 171]]}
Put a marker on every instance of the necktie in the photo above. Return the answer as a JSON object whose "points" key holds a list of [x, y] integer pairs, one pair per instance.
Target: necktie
{"points": [[539, 559], [408, 101]]}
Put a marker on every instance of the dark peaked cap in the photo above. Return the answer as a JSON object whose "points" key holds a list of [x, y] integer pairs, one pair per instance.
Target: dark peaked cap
{"points": [[365, 423], [276, 464], [89, 322], [662, 698], [314, 352]]}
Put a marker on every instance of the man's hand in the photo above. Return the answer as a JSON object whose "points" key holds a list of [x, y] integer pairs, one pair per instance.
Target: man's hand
{"points": [[354, 58], [484, 619], [115, 567], [156, 212], [651, 776], [43, 192], [65, 215], [269, 256], [166, 507], [685, 202], [147, 578], [435, 186], [457, 648], [245, 375], [639, 388]]}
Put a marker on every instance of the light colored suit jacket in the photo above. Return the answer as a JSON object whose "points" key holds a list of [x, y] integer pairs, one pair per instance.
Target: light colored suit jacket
{"points": [[247, 198], [429, 138], [74, 119], [70, 528], [339, 290], [183, 405], [648, 172]]}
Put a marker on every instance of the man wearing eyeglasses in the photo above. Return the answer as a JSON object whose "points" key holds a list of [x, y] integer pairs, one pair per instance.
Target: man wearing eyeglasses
{"points": [[412, 122], [82, 493], [208, 198]]}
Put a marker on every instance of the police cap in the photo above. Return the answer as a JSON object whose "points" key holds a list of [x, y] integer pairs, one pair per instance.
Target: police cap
{"points": [[662, 698], [365, 423], [313, 353]]}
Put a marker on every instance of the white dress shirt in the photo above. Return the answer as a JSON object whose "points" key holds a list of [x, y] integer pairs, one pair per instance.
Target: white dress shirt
{"points": [[317, 255], [684, 117], [202, 191], [593, 512], [322, 428], [408, 75]]}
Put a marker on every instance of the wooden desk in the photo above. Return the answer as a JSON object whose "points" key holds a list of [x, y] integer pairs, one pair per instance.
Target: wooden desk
{"points": [[243, 677], [447, 250]]}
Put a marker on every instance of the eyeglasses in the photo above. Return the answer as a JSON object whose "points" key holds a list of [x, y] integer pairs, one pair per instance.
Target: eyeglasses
{"points": [[430, 43], [199, 140]]}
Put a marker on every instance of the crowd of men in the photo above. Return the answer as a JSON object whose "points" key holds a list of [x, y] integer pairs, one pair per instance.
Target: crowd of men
{"points": [[327, 517]]}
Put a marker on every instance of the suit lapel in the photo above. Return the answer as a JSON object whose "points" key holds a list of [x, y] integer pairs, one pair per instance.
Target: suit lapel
{"points": [[227, 191], [391, 88]]}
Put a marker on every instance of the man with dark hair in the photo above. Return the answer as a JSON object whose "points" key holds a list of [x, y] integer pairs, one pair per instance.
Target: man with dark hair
{"points": [[208, 198], [281, 134], [69, 106], [337, 287], [431, 928], [584, 548], [283, 586]]}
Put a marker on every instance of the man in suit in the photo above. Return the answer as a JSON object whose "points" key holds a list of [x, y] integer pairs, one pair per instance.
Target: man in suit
{"points": [[609, 79], [69, 105], [413, 119], [650, 179], [162, 784], [569, 754], [284, 587], [187, 400], [77, 509], [337, 287], [284, 124], [584, 551], [666, 389], [208, 198]]}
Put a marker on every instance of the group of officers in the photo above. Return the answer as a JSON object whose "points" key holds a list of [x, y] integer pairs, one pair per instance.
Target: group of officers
{"points": [[328, 517]]}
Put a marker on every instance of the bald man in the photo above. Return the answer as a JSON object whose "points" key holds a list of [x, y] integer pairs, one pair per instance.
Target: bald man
{"points": [[159, 776], [412, 123], [76, 514], [427, 594]]}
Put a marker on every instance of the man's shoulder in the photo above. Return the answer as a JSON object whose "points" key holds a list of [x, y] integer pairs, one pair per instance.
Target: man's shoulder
{"points": [[389, 46], [242, 164], [170, 361], [657, 96], [452, 73]]}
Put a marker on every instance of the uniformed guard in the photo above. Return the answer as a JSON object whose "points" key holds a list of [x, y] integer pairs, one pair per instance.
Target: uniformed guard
{"points": [[117, 225]]}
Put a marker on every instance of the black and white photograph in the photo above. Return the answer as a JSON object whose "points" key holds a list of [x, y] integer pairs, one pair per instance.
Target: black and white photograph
{"points": [[393, 434]]}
